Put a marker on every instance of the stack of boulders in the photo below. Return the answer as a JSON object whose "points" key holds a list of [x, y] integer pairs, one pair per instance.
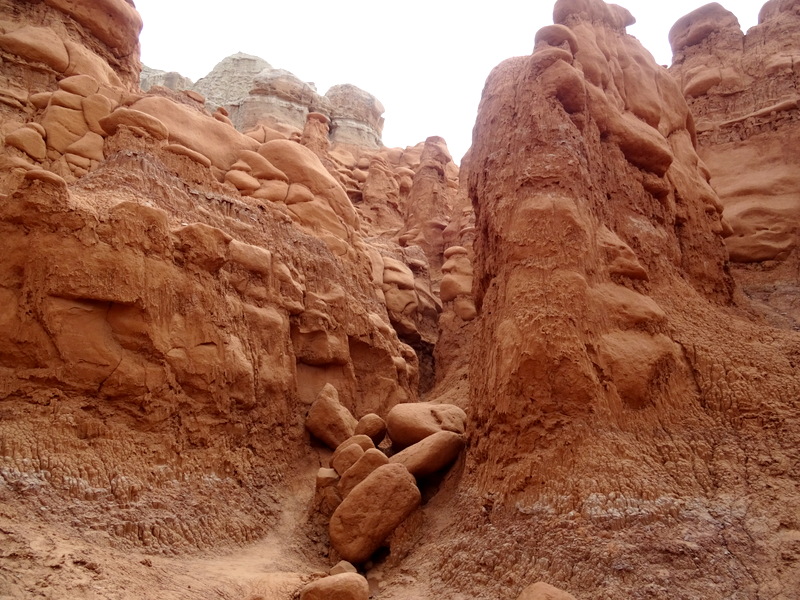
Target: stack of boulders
{"points": [[371, 486]]}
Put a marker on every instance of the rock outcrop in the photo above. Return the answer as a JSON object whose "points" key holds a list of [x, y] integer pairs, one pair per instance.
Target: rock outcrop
{"points": [[211, 337], [169, 79], [231, 79], [611, 363], [43, 42], [356, 115], [742, 90], [180, 287]]}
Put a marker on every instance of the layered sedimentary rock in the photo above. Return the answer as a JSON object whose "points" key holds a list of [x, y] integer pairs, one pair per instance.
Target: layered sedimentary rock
{"points": [[616, 386], [742, 90], [168, 79], [181, 291], [231, 79], [277, 98], [201, 325], [357, 116], [61, 38]]}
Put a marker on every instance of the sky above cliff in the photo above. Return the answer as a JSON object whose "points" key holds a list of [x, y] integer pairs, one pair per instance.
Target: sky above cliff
{"points": [[426, 61]]}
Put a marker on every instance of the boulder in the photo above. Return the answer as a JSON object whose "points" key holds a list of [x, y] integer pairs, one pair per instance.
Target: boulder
{"points": [[372, 426], [328, 420], [432, 454], [409, 423], [260, 167], [344, 586], [64, 127], [95, 107], [90, 146], [359, 439], [82, 85], [29, 141], [187, 126], [327, 496], [274, 191], [242, 181], [342, 461], [301, 165], [37, 44], [360, 470], [114, 22], [372, 511], [342, 567]]}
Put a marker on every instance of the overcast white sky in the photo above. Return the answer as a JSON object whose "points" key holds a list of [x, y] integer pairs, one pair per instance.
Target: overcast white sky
{"points": [[425, 60]]}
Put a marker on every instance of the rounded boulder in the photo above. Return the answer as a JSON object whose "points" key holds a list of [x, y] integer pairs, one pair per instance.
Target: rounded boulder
{"points": [[410, 423], [432, 454], [372, 511], [344, 586]]}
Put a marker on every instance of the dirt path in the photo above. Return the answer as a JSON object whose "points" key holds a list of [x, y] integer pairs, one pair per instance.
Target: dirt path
{"points": [[43, 559]]}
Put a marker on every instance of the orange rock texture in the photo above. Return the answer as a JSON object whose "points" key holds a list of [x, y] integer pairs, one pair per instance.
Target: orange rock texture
{"points": [[617, 379], [214, 341], [177, 291], [742, 90]]}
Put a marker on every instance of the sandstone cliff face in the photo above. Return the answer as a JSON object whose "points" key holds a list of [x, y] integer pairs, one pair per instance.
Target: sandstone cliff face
{"points": [[61, 38], [615, 385], [179, 293], [743, 91], [176, 296]]}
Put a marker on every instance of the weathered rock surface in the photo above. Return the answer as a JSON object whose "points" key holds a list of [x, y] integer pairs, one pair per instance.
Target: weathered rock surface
{"points": [[346, 457], [408, 424], [344, 586], [544, 591], [373, 427], [598, 236], [183, 326], [176, 295], [328, 420], [432, 454], [231, 79], [372, 510], [356, 116], [168, 79], [370, 460], [742, 90]]}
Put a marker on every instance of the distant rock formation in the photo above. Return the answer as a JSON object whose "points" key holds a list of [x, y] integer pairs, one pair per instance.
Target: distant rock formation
{"points": [[276, 98], [230, 80], [743, 92], [170, 80], [356, 116], [254, 94]]}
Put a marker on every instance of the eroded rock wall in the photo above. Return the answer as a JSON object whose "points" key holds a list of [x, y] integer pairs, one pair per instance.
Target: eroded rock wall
{"points": [[616, 385], [742, 89], [175, 295]]}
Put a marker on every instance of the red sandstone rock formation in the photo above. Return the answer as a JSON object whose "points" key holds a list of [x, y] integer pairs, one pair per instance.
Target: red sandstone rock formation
{"points": [[742, 90], [616, 384], [181, 291], [185, 307]]}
